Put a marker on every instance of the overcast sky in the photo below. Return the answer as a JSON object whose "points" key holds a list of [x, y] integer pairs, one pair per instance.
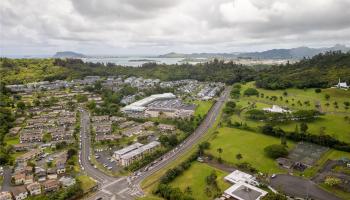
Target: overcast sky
{"points": [[34, 27]]}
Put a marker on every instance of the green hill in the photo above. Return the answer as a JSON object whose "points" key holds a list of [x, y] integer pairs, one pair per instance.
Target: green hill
{"points": [[322, 70]]}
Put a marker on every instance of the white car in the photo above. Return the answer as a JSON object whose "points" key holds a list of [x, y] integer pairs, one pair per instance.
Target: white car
{"points": [[273, 175]]}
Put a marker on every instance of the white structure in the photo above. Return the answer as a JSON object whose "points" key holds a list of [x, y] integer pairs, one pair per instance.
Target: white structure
{"points": [[137, 154], [243, 191], [342, 85], [241, 177], [118, 154], [67, 181], [140, 106], [276, 109]]}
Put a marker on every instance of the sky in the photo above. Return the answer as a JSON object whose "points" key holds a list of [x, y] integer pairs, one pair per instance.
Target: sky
{"points": [[125, 27]]}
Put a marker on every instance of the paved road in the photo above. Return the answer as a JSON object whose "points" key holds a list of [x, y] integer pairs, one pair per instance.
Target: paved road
{"points": [[296, 186], [109, 187], [85, 151], [125, 187], [6, 183], [189, 142]]}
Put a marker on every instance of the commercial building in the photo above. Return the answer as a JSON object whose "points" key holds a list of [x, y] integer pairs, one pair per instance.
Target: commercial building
{"points": [[118, 154], [137, 154], [140, 106]]}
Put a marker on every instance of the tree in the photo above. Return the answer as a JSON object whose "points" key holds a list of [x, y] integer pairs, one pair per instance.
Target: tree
{"points": [[21, 105], [318, 90], [327, 96], [220, 150], [251, 92], [332, 181], [239, 156], [275, 151], [303, 127]]}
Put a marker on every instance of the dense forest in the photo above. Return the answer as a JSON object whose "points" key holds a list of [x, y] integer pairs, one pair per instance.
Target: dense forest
{"points": [[322, 70]]}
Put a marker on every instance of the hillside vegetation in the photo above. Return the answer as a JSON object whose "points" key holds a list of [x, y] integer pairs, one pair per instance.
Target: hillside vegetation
{"points": [[323, 70]]}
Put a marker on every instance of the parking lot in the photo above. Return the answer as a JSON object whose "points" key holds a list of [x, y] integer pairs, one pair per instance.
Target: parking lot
{"points": [[105, 159]]}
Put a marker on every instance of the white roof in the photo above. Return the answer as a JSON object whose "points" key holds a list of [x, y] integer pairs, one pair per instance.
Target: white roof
{"points": [[343, 84], [243, 191], [140, 105], [276, 109], [239, 176], [140, 150], [128, 148]]}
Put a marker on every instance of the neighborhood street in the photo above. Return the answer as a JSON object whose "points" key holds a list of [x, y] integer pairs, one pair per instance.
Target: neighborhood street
{"points": [[124, 187]]}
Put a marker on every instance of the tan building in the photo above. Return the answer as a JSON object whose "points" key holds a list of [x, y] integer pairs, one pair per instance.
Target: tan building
{"points": [[5, 196]]}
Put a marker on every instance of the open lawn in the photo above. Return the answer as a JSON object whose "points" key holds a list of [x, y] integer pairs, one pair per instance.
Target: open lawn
{"points": [[331, 123], [202, 107], [12, 140], [251, 145], [195, 177], [294, 95], [86, 182]]}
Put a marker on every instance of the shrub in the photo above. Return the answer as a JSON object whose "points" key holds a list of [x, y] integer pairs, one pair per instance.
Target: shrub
{"points": [[318, 90], [275, 151], [251, 92]]}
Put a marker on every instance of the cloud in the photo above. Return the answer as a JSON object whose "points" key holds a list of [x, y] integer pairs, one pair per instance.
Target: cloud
{"points": [[159, 26]]}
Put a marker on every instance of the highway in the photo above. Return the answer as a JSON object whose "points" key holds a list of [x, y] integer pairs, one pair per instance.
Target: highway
{"points": [[129, 187], [189, 142]]}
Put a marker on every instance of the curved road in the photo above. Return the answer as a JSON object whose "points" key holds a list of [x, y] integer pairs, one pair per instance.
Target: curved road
{"points": [[129, 187]]}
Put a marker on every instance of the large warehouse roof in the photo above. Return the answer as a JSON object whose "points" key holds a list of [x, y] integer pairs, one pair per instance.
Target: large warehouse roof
{"points": [[139, 106]]}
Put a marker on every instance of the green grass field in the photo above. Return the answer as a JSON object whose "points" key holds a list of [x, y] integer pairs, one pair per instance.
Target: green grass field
{"points": [[194, 178], [202, 107], [86, 182], [338, 95], [251, 145], [11, 140], [333, 122]]}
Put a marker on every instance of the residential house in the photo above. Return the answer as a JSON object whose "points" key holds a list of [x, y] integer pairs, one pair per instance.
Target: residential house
{"points": [[5, 195], [19, 192], [29, 155], [166, 127], [67, 181], [137, 130], [34, 188], [52, 173], [19, 178], [51, 185], [29, 179]]}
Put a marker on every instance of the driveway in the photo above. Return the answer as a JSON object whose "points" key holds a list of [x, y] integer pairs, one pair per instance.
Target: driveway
{"points": [[298, 187]]}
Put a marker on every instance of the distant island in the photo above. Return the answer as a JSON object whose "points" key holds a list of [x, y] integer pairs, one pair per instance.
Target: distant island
{"points": [[141, 60], [293, 53], [68, 54]]}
